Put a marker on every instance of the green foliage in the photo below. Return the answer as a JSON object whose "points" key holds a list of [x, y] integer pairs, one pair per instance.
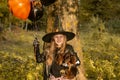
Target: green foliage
{"points": [[105, 9], [17, 61], [13, 67], [113, 25], [101, 51], [4, 8]]}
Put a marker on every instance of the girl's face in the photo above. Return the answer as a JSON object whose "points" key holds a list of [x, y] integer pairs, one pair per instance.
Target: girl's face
{"points": [[59, 39]]}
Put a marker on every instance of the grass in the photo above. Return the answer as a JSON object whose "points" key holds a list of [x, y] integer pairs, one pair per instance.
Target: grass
{"points": [[17, 56], [21, 42]]}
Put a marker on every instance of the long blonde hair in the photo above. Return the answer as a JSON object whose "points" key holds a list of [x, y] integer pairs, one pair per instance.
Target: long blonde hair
{"points": [[52, 47]]}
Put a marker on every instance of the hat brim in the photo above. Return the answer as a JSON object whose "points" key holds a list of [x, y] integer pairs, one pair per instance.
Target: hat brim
{"points": [[47, 37]]}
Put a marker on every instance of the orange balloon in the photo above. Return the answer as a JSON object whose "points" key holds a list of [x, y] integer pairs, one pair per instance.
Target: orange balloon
{"points": [[20, 8]]}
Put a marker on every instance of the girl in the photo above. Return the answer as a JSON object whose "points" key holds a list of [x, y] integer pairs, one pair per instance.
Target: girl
{"points": [[61, 61]]}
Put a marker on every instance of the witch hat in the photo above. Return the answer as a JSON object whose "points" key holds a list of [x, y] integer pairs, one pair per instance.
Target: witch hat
{"points": [[58, 30]]}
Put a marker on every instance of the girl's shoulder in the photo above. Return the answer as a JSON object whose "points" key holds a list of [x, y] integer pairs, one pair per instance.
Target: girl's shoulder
{"points": [[68, 46]]}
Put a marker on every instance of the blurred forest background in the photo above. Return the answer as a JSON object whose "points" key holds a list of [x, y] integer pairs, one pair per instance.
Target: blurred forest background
{"points": [[99, 34]]}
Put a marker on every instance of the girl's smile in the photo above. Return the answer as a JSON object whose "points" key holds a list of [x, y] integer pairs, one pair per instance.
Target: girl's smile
{"points": [[59, 39]]}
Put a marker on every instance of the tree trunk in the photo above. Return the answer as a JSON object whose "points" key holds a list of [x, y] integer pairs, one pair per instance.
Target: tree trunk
{"points": [[67, 13]]}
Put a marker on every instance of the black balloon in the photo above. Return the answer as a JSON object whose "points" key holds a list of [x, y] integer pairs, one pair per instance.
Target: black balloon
{"points": [[36, 11], [47, 2]]}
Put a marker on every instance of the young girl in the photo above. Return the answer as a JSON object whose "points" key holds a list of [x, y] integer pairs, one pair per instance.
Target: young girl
{"points": [[61, 61]]}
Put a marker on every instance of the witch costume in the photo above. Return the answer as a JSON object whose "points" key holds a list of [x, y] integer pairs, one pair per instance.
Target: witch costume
{"points": [[63, 70]]}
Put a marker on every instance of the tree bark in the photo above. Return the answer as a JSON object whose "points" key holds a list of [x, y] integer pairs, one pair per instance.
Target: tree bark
{"points": [[67, 13]]}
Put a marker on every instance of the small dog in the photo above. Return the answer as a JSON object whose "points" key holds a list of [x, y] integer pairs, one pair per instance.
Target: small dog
{"points": [[68, 61], [72, 70]]}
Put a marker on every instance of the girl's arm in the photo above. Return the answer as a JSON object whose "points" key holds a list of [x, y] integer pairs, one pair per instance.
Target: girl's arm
{"points": [[70, 48], [39, 57]]}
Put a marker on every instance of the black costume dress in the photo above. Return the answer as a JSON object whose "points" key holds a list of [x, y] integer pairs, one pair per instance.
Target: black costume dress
{"points": [[55, 68]]}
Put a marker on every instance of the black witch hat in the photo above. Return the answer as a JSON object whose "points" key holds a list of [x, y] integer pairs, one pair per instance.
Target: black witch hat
{"points": [[58, 30]]}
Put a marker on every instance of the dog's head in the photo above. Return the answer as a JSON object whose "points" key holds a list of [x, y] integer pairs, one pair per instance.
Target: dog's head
{"points": [[69, 58]]}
